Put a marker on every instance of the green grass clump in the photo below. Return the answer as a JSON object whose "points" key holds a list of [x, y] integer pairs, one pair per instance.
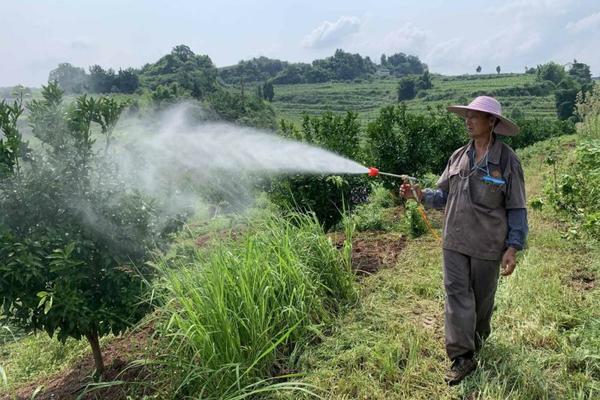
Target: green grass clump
{"points": [[35, 357], [372, 216], [239, 312]]}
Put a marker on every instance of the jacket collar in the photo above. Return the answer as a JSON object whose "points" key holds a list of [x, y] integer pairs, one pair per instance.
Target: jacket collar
{"points": [[494, 153]]}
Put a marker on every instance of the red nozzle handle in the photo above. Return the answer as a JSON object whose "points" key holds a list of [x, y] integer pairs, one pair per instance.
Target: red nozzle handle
{"points": [[373, 171]]}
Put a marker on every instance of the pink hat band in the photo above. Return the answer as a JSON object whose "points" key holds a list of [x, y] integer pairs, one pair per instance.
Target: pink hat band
{"points": [[491, 106]]}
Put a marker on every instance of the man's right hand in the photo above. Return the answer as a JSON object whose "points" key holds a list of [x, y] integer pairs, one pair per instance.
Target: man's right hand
{"points": [[406, 191]]}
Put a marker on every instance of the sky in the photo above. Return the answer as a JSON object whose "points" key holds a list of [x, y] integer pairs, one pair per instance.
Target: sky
{"points": [[451, 37]]}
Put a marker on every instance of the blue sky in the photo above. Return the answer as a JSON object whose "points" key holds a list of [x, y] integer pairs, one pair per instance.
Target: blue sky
{"points": [[452, 37]]}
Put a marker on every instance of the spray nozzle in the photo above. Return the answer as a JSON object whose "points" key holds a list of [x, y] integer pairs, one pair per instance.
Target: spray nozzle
{"points": [[373, 171]]}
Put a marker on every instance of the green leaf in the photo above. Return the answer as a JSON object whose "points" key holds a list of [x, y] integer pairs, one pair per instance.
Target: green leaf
{"points": [[48, 305]]}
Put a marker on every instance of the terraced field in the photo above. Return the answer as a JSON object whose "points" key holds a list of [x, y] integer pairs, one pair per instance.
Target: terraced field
{"points": [[366, 97]]}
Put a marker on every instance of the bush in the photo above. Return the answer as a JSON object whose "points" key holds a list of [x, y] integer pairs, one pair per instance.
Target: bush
{"points": [[537, 129], [326, 196], [407, 88], [413, 221], [577, 194], [401, 142], [371, 216]]}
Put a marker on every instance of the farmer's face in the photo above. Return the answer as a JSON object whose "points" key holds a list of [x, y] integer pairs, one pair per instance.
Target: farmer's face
{"points": [[479, 124]]}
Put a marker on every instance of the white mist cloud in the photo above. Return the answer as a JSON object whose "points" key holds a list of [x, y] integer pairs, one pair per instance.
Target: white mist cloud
{"points": [[331, 33], [590, 22]]}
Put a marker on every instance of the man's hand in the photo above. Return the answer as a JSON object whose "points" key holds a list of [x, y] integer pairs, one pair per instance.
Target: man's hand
{"points": [[406, 191], [509, 261]]}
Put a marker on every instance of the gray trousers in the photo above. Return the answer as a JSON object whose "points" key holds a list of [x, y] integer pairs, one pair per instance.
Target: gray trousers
{"points": [[470, 288]]}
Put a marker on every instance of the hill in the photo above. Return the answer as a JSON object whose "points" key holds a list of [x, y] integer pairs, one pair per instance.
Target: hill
{"points": [[367, 96]]}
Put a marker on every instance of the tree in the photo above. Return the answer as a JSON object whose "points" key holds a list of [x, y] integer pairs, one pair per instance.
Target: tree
{"points": [[73, 239], [70, 79], [407, 89], [100, 81], [268, 91], [478, 69], [581, 73], [127, 81], [565, 97], [424, 81], [498, 69], [552, 72], [191, 72]]}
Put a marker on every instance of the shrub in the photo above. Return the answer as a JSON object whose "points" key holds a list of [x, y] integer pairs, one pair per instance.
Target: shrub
{"points": [[371, 215], [401, 142], [326, 196], [576, 193], [413, 221], [537, 129]]}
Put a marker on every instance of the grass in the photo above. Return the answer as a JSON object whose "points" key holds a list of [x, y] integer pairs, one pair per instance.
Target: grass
{"points": [[238, 312], [35, 357], [367, 97], [545, 343], [237, 309]]}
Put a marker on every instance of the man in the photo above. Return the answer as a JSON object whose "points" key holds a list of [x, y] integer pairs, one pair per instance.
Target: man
{"points": [[483, 192]]}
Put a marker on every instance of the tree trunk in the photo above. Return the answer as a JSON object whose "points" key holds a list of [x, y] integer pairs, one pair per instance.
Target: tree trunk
{"points": [[92, 337]]}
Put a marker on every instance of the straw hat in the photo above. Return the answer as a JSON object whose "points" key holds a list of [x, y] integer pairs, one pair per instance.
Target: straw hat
{"points": [[491, 106]]}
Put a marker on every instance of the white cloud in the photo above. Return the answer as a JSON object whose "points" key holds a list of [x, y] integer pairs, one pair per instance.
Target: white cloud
{"points": [[528, 8], [331, 33], [407, 39], [586, 23]]}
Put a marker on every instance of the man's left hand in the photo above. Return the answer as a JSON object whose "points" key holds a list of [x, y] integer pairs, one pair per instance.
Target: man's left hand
{"points": [[509, 261]]}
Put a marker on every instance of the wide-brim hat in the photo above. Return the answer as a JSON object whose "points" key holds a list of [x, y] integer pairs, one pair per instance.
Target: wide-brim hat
{"points": [[491, 106]]}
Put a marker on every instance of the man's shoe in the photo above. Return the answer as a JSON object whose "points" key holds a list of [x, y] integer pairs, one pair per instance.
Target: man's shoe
{"points": [[460, 369]]}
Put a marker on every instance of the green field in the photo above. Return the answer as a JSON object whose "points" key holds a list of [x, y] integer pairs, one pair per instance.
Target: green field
{"points": [[366, 97]]}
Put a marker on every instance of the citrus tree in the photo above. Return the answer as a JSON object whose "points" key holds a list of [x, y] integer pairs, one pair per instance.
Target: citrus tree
{"points": [[73, 238]]}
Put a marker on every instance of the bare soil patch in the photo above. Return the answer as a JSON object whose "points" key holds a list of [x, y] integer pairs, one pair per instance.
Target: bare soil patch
{"points": [[118, 354], [372, 250]]}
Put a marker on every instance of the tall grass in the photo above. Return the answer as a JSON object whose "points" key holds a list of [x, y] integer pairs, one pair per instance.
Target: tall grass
{"points": [[237, 312]]}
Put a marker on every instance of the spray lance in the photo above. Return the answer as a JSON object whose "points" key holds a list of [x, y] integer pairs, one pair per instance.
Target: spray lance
{"points": [[412, 181]]}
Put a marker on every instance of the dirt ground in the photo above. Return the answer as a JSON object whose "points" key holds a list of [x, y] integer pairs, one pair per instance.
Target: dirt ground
{"points": [[373, 250], [72, 383]]}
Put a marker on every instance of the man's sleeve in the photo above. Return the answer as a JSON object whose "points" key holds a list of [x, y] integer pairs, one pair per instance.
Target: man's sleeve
{"points": [[516, 205], [434, 198], [444, 182], [517, 228], [515, 189]]}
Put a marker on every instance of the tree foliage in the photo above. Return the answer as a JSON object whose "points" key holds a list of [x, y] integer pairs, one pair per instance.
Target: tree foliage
{"points": [[254, 70], [552, 72], [400, 64], [401, 142], [267, 91], [73, 237], [70, 79], [323, 195], [407, 88], [182, 67]]}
